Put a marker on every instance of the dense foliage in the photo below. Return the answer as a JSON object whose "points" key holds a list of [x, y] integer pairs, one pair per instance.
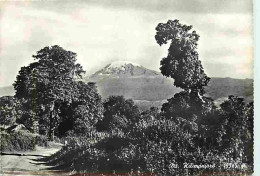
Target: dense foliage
{"points": [[182, 63], [119, 114], [164, 146], [49, 84], [18, 141], [9, 110], [82, 115]]}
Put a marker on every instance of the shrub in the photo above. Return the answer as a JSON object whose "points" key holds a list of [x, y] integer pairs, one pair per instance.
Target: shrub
{"points": [[119, 113], [157, 144], [75, 153], [17, 141], [42, 140]]}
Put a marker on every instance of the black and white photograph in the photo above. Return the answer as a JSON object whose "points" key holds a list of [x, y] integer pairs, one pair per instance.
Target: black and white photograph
{"points": [[127, 87]]}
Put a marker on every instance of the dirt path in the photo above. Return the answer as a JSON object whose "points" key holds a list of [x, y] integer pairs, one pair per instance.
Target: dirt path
{"points": [[28, 164]]}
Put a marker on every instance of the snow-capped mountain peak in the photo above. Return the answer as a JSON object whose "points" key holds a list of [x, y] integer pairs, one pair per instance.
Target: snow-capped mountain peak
{"points": [[124, 69], [120, 64]]}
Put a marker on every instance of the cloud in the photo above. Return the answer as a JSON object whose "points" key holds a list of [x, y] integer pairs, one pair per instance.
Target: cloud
{"points": [[183, 6]]}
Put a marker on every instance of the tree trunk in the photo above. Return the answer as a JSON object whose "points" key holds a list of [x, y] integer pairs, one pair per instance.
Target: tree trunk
{"points": [[52, 126]]}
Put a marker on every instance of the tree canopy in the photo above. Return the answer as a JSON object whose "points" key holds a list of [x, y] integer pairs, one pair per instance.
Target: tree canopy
{"points": [[119, 113], [50, 83], [182, 63]]}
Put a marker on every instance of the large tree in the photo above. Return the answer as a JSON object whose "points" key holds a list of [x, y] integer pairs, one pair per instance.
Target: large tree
{"points": [[182, 63], [189, 110], [49, 82], [225, 132]]}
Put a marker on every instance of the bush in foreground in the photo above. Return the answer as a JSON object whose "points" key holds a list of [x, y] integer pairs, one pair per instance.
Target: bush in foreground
{"points": [[21, 141], [163, 146], [17, 141]]}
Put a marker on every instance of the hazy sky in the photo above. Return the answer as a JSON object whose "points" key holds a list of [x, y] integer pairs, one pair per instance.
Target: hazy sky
{"points": [[103, 31]]}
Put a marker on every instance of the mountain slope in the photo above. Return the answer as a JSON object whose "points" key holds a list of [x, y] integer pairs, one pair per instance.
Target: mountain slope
{"points": [[139, 83], [220, 88], [133, 81]]}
